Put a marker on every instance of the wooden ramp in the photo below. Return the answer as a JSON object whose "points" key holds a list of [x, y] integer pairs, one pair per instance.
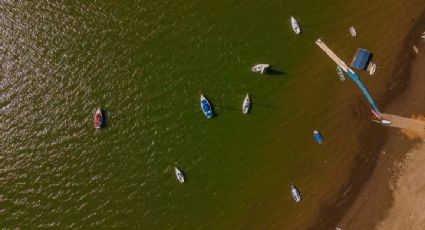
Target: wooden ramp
{"points": [[332, 55], [417, 126]]}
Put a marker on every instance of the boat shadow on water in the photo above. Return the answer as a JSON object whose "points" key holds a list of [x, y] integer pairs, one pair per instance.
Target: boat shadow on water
{"points": [[268, 106], [104, 118], [226, 108], [274, 72]]}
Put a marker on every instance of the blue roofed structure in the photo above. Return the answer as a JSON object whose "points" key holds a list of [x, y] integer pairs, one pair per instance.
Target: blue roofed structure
{"points": [[362, 59]]}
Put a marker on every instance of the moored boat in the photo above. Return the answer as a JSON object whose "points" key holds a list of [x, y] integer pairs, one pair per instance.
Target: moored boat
{"points": [[386, 122], [318, 137], [353, 32], [340, 73], [295, 193], [372, 68], [376, 115], [262, 68], [246, 105], [179, 175], [206, 107], [98, 119], [295, 26]]}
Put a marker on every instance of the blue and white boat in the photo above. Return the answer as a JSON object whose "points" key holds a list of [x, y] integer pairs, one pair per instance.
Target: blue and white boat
{"points": [[179, 175], [295, 193], [206, 107], [340, 73], [318, 137]]}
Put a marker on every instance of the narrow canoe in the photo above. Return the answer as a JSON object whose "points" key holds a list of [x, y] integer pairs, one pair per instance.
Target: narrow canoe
{"points": [[246, 105], [295, 26]]}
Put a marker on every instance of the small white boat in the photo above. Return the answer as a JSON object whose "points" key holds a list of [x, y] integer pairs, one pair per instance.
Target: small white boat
{"points": [[340, 73], [262, 68], [295, 25], [246, 105], [372, 68], [386, 122], [353, 32], [295, 193], [179, 175], [423, 35]]}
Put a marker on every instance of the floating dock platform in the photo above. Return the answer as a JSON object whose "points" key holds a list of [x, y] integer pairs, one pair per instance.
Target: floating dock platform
{"points": [[349, 72]]}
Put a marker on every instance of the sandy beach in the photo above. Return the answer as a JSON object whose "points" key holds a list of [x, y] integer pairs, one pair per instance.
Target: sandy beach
{"points": [[394, 195]]}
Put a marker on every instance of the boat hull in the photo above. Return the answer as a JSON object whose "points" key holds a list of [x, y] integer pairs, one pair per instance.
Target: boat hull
{"points": [[353, 32], [376, 115], [318, 137], [98, 119], [261, 68], [296, 195], [295, 26], [179, 175], [340, 73], [206, 107], [246, 105]]}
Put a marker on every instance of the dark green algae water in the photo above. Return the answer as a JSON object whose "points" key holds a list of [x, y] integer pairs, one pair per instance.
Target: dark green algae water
{"points": [[145, 63]]}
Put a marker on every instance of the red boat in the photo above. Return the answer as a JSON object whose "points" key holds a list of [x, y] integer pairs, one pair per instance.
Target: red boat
{"points": [[376, 115], [98, 119]]}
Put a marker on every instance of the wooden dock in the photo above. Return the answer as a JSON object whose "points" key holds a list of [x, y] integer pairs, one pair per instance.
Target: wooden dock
{"points": [[332, 55]]}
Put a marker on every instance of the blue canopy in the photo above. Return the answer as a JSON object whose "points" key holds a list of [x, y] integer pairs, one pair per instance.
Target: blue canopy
{"points": [[361, 60]]}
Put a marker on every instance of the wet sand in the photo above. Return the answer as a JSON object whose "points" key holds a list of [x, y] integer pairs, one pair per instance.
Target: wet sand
{"points": [[394, 194]]}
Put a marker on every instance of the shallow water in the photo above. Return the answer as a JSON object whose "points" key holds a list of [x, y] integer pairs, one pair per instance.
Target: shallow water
{"points": [[145, 63]]}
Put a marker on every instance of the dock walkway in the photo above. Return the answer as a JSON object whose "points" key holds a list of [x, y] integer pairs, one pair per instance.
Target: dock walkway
{"points": [[349, 72]]}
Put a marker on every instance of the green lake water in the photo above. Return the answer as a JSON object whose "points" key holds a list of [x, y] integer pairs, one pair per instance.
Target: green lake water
{"points": [[146, 63]]}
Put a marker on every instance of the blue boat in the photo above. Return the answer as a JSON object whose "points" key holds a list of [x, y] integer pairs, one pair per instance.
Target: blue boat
{"points": [[318, 137], [206, 107]]}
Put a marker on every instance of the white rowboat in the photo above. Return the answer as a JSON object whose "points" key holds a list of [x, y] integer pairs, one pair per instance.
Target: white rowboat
{"points": [[295, 193], [295, 26], [353, 32], [246, 105], [262, 68], [179, 175], [372, 68], [386, 122]]}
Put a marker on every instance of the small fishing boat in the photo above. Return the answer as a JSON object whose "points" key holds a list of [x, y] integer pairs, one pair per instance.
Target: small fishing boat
{"points": [[246, 105], [353, 32], [372, 68], [295, 26], [179, 175], [423, 35], [376, 115], [206, 107], [295, 193], [318, 137], [262, 68], [98, 119], [386, 122], [340, 73]]}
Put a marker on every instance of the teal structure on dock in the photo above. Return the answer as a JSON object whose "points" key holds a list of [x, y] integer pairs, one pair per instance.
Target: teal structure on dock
{"points": [[365, 55], [356, 79]]}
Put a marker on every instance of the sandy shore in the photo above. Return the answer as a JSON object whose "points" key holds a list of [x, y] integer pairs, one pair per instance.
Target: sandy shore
{"points": [[394, 195]]}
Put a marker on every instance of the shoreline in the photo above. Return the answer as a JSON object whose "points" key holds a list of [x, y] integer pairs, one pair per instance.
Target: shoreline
{"points": [[357, 205], [380, 191]]}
